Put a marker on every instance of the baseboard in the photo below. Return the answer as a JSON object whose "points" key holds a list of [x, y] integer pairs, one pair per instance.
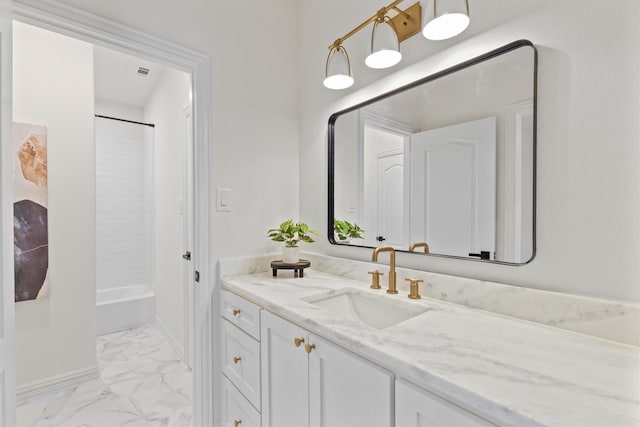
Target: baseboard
{"points": [[56, 383], [175, 345]]}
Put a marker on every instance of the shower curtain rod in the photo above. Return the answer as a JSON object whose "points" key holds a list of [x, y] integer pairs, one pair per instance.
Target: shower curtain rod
{"points": [[151, 125]]}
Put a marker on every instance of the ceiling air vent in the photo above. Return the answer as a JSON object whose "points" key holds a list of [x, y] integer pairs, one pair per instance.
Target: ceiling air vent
{"points": [[143, 71]]}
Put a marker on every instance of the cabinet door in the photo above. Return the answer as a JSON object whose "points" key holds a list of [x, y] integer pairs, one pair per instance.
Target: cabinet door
{"points": [[285, 384], [419, 408], [345, 390]]}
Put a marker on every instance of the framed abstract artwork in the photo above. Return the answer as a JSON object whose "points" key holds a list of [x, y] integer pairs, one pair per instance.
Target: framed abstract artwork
{"points": [[30, 212]]}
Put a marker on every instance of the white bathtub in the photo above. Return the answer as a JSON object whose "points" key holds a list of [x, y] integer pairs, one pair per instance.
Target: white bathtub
{"points": [[123, 308]]}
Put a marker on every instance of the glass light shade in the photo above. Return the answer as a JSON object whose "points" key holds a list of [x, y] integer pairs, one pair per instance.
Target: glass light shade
{"points": [[338, 69], [447, 19], [385, 47]]}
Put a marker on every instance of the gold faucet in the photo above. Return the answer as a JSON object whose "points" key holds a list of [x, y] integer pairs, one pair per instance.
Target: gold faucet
{"points": [[417, 245], [392, 266]]}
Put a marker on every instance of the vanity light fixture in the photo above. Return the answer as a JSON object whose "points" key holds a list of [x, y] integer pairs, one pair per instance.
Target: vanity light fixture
{"points": [[338, 68], [386, 37], [385, 46], [447, 19]]}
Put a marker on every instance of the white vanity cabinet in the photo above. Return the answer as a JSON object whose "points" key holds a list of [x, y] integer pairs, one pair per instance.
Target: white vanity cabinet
{"points": [[277, 374], [307, 381], [416, 407]]}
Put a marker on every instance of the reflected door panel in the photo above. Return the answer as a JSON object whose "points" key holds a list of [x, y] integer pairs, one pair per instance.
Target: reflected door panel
{"points": [[453, 188], [390, 199], [384, 178]]}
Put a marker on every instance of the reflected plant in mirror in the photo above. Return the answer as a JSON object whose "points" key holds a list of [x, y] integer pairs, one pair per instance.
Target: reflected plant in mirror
{"points": [[444, 166], [345, 231]]}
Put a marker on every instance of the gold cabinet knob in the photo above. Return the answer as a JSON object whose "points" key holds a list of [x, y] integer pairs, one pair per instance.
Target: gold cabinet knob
{"points": [[236, 423], [414, 287], [375, 279], [235, 311], [237, 359], [309, 347], [298, 341]]}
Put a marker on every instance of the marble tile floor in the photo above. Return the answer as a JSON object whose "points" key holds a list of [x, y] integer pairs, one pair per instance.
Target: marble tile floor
{"points": [[142, 383]]}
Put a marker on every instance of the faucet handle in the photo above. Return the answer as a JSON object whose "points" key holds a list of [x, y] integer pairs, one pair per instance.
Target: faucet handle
{"points": [[414, 287], [375, 279]]}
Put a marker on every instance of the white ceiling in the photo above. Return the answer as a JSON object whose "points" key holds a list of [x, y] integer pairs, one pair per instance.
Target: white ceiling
{"points": [[117, 79]]}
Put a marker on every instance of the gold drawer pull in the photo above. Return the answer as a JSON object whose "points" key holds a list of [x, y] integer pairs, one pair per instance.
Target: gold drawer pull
{"points": [[235, 311], [309, 347], [236, 359], [236, 423], [298, 341]]}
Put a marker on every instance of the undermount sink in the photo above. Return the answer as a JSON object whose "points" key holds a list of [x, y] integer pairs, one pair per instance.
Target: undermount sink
{"points": [[377, 311]]}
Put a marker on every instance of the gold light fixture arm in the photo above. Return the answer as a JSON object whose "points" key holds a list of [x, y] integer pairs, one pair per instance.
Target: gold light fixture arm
{"points": [[382, 12], [401, 12]]}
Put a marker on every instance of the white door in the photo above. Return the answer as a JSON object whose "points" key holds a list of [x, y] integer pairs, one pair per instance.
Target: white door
{"points": [[7, 332], [453, 194], [284, 373], [345, 390], [187, 236], [390, 199], [383, 172]]}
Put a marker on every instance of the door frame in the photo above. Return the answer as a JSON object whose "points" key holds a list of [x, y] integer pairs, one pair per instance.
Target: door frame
{"points": [[517, 182], [73, 22], [7, 292], [376, 121]]}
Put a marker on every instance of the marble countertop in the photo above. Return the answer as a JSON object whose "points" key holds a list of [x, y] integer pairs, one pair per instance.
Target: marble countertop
{"points": [[512, 371]]}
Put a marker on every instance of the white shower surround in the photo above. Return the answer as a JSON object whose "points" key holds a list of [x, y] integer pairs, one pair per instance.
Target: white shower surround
{"points": [[127, 307], [124, 296]]}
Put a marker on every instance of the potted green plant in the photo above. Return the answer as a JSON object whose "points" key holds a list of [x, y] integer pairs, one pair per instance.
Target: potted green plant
{"points": [[345, 231], [291, 233]]}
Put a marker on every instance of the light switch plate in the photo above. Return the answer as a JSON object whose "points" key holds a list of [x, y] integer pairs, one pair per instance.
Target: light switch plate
{"points": [[223, 200]]}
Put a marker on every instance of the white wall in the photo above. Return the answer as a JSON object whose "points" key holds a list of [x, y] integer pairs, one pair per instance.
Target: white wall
{"points": [[255, 108], [53, 86], [588, 198], [165, 109], [588, 152], [123, 164]]}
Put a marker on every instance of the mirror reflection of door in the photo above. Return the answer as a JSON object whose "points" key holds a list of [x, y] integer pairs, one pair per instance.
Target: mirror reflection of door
{"points": [[390, 198], [517, 245], [385, 193], [453, 188]]}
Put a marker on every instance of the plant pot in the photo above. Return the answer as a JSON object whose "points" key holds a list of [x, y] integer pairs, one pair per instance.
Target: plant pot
{"points": [[290, 254], [343, 241]]}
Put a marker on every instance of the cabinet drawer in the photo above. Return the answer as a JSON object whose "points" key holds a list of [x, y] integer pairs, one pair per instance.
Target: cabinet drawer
{"points": [[241, 313], [237, 412], [241, 361], [416, 408]]}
